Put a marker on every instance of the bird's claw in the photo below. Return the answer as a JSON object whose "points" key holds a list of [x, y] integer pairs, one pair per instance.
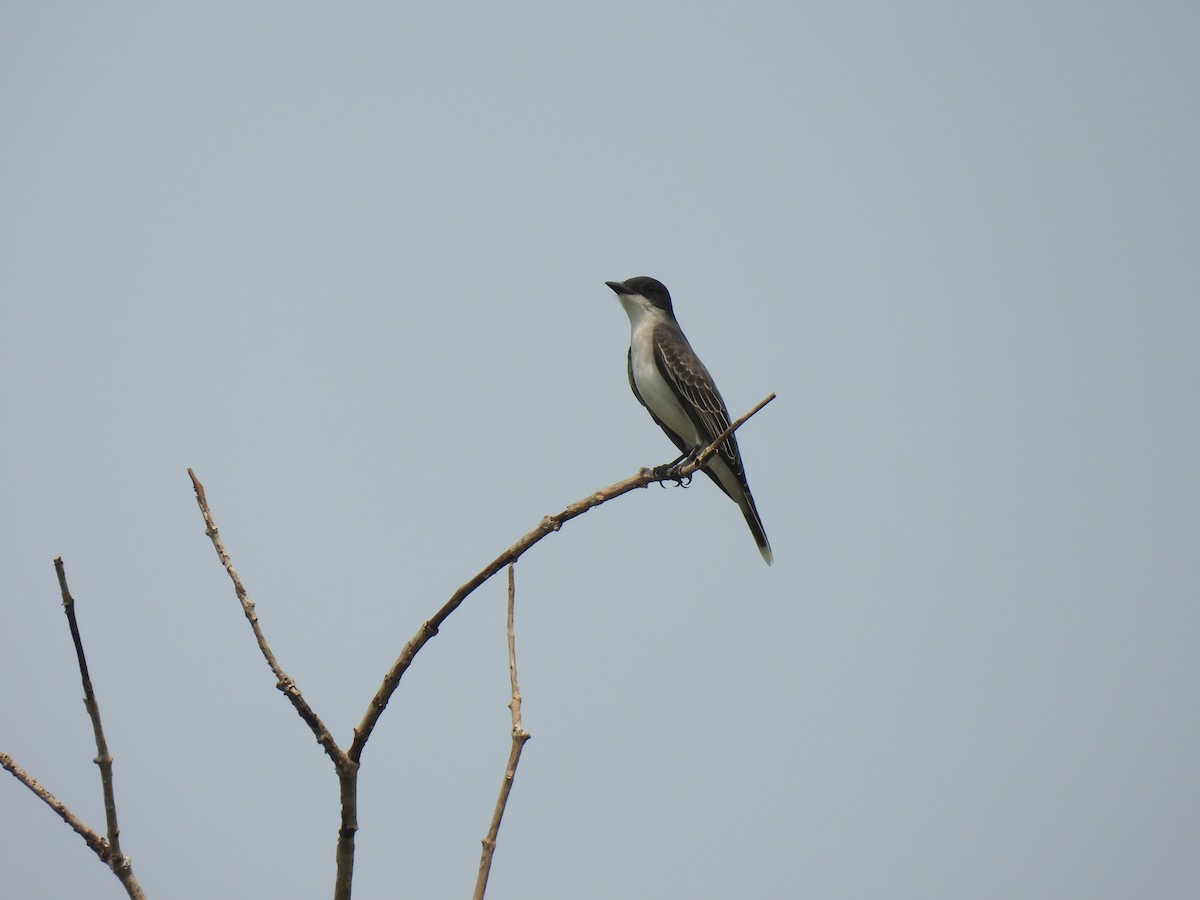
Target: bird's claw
{"points": [[670, 472]]}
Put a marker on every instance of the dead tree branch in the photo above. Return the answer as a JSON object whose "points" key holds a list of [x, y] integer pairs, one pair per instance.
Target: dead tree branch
{"points": [[519, 737], [347, 763], [108, 849], [284, 682], [93, 839], [548, 525], [344, 766]]}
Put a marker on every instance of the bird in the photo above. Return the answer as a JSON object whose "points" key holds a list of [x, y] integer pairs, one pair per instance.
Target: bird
{"points": [[668, 378]]}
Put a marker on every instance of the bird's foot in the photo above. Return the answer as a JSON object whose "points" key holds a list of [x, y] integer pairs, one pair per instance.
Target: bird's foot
{"points": [[670, 472]]}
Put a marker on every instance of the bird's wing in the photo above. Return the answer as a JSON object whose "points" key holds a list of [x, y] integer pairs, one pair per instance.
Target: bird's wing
{"points": [[697, 393]]}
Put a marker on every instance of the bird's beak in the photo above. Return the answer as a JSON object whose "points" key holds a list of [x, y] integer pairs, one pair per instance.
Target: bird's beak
{"points": [[619, 287]]}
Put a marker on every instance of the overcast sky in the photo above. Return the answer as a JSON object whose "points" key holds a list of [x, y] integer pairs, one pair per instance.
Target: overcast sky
{"points": [[349, 265]]}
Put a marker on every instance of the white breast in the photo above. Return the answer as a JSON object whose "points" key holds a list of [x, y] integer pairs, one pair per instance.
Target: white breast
{"points": [[653, 388]]}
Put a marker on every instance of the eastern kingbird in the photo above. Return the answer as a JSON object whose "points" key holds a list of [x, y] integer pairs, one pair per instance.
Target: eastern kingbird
{"points": [[669, 380]]}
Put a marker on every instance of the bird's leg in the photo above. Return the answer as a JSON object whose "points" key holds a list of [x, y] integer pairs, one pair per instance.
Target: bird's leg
{"points": [[670, 471], [664, 471]]}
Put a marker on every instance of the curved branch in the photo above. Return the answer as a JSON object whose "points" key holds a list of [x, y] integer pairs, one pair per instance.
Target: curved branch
{"points": [[548, 525]]}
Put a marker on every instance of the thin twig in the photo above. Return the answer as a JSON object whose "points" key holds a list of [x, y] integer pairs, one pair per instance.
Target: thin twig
{"points": [[519, 737], [103, 758], [284, 682], [515, 705], [93, 839], [712, 448]]}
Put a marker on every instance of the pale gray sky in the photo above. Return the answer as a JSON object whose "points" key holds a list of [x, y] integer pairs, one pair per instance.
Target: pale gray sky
{"points": [[349, 264]]}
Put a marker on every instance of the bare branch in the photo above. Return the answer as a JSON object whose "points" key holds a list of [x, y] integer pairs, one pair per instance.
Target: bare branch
{"points": [[346, 768], [519, 737], [515, 704], [92, 838], [347, 763], [284, 682], [548, 525], [103, 758], [108, 849]]}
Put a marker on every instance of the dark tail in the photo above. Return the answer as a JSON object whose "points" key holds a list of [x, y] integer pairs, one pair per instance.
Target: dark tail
{"points": [[756, 529]]}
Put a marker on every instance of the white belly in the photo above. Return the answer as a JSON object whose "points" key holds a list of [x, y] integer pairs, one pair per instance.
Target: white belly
{"points": [[656, 393]]}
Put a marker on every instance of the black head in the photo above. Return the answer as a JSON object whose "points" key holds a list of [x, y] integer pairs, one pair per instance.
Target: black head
{"points": [[651, 288]]}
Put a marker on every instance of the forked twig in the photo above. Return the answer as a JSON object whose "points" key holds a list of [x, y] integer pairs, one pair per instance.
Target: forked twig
{"points": [[108, 849], [347, 762]]}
